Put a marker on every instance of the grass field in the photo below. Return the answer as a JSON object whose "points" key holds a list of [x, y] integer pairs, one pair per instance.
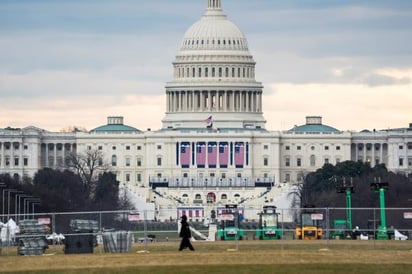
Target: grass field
{"points": [[225, 257]]}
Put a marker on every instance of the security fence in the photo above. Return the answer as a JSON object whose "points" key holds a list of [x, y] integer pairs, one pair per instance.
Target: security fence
{"points": [[118, 231]]}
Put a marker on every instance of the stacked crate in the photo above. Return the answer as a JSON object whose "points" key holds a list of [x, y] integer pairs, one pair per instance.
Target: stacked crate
{"points": [[32, 238], [117, 242], [82, 239]]}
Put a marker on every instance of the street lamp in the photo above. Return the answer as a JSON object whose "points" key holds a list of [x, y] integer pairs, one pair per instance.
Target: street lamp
{"points": [[8, 201], [3, 208], [26, 205], [2, 185], [18, 203]]}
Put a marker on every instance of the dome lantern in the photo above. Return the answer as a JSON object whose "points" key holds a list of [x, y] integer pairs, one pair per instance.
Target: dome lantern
{"points": [[214, 4]]}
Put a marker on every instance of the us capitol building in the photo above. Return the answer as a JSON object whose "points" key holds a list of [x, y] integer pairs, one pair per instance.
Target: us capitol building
{"points": [[213, 148]]}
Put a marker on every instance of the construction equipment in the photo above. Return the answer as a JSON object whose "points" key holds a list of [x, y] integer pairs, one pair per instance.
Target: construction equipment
{"points": [[343, 228], [229, 224], [268, 224], [310, 225], [381, 187]]}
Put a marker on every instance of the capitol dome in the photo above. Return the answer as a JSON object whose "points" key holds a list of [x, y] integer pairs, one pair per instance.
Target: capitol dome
{"points": [[214, 83], [214, 31]]}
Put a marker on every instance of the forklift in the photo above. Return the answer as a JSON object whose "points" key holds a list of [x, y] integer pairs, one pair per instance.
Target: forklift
{"points": [[268, 224], [228, 229], [310, 227]]}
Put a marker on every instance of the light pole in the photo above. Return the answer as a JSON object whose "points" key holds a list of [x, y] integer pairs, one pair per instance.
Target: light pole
{"points": [[2, 185], [32, 206], [8, 201], [27, 205], [18, 203]]}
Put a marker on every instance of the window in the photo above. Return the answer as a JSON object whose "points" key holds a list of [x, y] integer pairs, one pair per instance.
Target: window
{"points": [[114, 160], [127, 161], [326, 161], [400, 147], [400, 161], [312, 148], [338, 161], [312, 160], [139, 162], [326, 147], [223, 197], [7, 161], [287, 178], [299, 162], [100, 161], [159, 147], [220, 72], [265, 147], [213, 72], [198, 197], [100, 148], [206, 72], [409, 146], [299, 148], [139, 148], [287, 162], [89, 147], [26, 147], [26, 161], [127, 177], [265, 161], [287, 147], [337, 147], [159, 161], [16, 161], [138, 177], [127, 147], [113, 147]]}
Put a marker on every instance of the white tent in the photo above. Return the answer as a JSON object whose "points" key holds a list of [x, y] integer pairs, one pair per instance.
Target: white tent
{"points": [[8, 231], [399, 236]]}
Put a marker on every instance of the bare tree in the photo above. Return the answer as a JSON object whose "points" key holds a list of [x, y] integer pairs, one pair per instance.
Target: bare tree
{"points": [[88, 166]]}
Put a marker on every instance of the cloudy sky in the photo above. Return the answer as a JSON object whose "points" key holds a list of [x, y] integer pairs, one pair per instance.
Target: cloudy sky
{"points": [[73, 63]]}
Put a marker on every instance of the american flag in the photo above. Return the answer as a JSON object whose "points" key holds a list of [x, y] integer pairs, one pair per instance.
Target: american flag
{"points": [[201, 154], [185, 154], [212, 154], [239, 154], [223, 154]]}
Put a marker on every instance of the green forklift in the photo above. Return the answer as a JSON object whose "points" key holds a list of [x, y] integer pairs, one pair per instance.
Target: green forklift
{"points": [[228, 228], [269, 224]]}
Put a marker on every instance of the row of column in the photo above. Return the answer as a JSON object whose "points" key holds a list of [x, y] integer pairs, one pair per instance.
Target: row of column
{"points": [[45, 161], [374, 148], [214, 101], [14, 150]]}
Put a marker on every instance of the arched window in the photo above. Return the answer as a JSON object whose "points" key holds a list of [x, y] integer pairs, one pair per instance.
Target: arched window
{"points": [[200, 72], [213, 72], [227, 72], [312, 160], [223, 197], [193, 72], [220, 72], [198, 197]]}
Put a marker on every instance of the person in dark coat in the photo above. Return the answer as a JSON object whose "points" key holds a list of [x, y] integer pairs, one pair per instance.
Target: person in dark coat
{"points": [[185, 234]]}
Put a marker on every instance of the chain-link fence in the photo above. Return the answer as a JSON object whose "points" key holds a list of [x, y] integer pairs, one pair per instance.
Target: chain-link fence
{"points": [[118, 231]]}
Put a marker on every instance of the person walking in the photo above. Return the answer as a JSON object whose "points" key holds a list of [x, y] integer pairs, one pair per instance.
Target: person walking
{"points": [[185, 234]]}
